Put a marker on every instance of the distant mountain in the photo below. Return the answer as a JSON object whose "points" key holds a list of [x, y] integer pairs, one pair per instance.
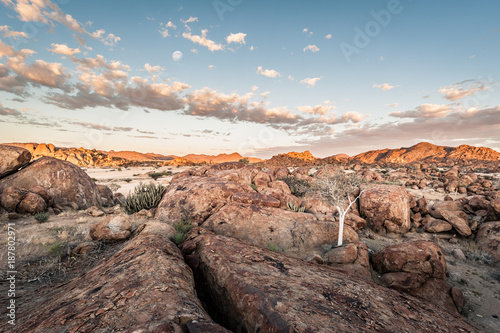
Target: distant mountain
{"points": [[221, 158], [426, 152], [139, 157], [292, 159]]}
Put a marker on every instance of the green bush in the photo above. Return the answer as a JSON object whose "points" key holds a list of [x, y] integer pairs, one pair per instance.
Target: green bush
{"points": [[42, 217], [244, 160], [127, 180], [155, 175], [298, 187], [182, 229], [145, 196], [252, 185]]}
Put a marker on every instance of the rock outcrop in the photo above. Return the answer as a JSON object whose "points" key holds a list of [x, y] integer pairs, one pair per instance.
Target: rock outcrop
{"points": [[385, 207], [418, 268], [12, 159], [66, 183], [488, 239], [145, 287], [250, 289]]}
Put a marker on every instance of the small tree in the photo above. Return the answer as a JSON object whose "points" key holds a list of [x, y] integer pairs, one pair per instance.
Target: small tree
{"points": [[244, 160], [339, 190]]}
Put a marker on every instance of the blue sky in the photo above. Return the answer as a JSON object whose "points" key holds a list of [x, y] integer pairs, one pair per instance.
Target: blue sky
{"points": [[257, 77]]}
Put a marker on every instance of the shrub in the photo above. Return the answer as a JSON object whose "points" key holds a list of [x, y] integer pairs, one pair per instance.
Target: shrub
{"points": [[94, 179], [155, 175], [244, 160], [42, 217], [127, 180], [298, 187], [252, 185], [292, 207], [274, 248], [145, 196], [182, 229]]}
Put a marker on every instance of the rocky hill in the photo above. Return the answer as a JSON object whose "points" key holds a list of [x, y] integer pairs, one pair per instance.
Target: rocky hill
{"points": [[292, 159], [221, 158], [427, 152]]}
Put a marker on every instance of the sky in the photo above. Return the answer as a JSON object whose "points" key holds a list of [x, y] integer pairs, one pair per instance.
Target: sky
{"points": [[254, 77]]}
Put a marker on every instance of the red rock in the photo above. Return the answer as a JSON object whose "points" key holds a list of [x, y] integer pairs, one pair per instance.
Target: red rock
{"points": [[420, 257], [145, 287], [32, 204], [438, 292], [11, 197], [385, 206], [353, 257], [195, 197], [488, 239], [256, 199], [106, 195], [43, 193], [64, 182], [435, 226], [12, 159], [111, 229], [261, 179], [458, 222], [253, 289], [297, 234], [423, 206]]}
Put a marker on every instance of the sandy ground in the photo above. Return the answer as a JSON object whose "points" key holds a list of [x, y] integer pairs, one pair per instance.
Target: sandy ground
{"points": [[124, 180]]}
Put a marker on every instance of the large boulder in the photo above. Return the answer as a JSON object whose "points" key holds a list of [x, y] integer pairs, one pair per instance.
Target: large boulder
{"points": [[250, 289], [296, 234], [418, 268], [11, 197], [352, 257], [32, 204], [67, 184], [111, 229], [488, 239], [12, 159], [145, 287], [196, 198], [385, 207]]}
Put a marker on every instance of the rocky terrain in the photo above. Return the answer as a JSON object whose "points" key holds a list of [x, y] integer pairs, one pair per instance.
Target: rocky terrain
{"points": [[233, 247]]}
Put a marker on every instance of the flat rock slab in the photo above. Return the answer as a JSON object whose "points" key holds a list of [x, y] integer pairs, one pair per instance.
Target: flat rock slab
{"points": [[145, 287], [250, 289]]}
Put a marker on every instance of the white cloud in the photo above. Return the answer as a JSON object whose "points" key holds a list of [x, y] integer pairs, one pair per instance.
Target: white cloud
{"points": [[164, 28], [291, 78], [318, 109], [393, 105], [268, 72], [190, 19], [384, 86], [329, 36], [63, 49], [211, 67], [203, 41], [381, 59], [455, 92], [109, 40], [238, 38], [255, 88], [310, 81], [425, 111], [251, 48], [153, 69], [305, 30], [312, 48], [7, 33], [195, 51]]}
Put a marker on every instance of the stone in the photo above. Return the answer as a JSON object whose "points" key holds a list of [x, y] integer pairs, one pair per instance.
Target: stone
{"points": [[488, 239], [352, 257], [196, 198], [423, 206], [459, 223], [94, 211], [298, 234], [478, 202], [84, 248], [255, 198], [261, 179], [11, 197], [32, 204], [250, 289], [458, 254], [420, 257], [385, 207], [43, 193], [144, 287], [12, 159], [106, 194], [111, 229], [63, 181], [436, 226]]}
